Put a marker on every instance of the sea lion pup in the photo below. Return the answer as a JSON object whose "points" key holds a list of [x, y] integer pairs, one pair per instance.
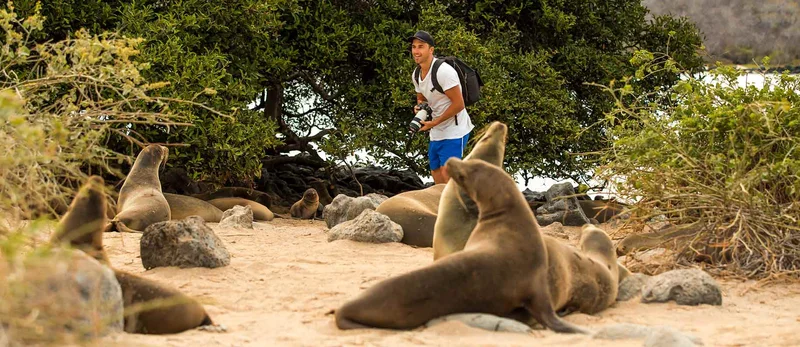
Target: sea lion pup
{"points": [[140, 201], [306, 208], [83, 224], [458, 214], [151, 308], [182, 206], [260, 212], [504, 266], [416, 212]]}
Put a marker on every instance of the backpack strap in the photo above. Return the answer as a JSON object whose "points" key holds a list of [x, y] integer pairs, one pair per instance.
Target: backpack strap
{"points": [[416, 75], [435, 80]]}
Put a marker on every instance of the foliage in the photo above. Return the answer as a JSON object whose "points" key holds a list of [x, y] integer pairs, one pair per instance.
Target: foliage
{"points": [[335, 76], [60, 102], [718, 154]]}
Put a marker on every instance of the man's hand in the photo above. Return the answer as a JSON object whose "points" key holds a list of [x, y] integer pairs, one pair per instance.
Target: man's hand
{"points": [[427, 125]]}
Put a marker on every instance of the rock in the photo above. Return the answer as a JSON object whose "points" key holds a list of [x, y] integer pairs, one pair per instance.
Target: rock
{"points": [[558, 209], [631, 286], [64, 295], [622, 331], [484, 321], [369, 226], [177, 181], [183, 243], [344, 208], [533, 196], [669, 337], [237, 217], [686, 287], [660, 336]]}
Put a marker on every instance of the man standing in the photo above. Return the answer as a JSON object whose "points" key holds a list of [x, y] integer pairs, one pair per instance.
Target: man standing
{"points": [[450, 124]]}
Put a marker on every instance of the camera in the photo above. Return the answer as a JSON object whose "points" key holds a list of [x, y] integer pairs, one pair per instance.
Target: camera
{"points": [[424, 114]]}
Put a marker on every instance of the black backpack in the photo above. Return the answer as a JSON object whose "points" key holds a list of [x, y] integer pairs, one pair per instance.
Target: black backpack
{"points": [[469, 78]]}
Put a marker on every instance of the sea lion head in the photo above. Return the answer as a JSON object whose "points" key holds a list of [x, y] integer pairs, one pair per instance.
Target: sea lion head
{"points": [[91, 199], [491, 144], [310, 195], [473, 176], [86, 215], [153, 156]]}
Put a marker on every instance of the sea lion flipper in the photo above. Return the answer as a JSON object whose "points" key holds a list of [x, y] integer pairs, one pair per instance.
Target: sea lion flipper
{"points": [[121, 227], [542, 311]]}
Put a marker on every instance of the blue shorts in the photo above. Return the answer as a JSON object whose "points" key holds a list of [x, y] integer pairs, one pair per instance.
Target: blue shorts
{"points": [[440, 151]]}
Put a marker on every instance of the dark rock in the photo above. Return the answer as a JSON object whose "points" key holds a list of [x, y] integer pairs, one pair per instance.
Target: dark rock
{"points": [[182, 243], [561, 207]]}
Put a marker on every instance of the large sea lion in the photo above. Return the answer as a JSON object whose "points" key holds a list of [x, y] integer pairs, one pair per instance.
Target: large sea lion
{"points": [[182, 206], [458, 214], [260, 212], [416, 213], [83, 224], [141, 201], [306, 207], [504, 269], [152, 308]]}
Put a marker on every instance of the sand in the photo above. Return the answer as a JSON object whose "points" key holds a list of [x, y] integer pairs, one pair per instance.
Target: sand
{"points": [[284, 278]]}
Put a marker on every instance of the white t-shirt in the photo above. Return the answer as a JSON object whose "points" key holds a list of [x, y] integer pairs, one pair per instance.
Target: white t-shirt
{"points": [[439, 102]]}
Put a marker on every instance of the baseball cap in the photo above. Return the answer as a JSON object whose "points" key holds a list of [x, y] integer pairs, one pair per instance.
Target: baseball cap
{"points": [[423, 36]]}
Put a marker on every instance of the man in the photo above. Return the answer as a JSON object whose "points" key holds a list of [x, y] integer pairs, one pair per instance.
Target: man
{"points": [[450, 124]]}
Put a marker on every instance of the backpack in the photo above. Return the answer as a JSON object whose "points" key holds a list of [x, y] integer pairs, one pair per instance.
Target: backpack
{"points": [[468, 77]]}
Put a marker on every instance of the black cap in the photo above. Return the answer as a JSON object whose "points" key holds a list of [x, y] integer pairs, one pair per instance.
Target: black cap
{"points": [[423, 36]]}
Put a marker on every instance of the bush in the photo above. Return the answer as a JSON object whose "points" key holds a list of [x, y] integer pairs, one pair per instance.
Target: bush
{"points": [[717, 154], [60, 104]]}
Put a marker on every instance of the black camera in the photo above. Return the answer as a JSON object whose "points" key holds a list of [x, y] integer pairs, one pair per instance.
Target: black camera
{"points": [[424, 114]]}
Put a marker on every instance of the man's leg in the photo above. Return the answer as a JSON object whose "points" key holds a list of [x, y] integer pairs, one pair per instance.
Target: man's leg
{"points": [[434, 163], [450, 149]]}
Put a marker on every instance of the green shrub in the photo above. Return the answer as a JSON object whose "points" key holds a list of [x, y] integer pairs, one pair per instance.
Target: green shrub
{"points": [[718, 154]]}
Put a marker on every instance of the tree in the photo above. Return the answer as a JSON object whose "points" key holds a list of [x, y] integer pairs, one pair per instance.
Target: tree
{"points": [[335, 76]]}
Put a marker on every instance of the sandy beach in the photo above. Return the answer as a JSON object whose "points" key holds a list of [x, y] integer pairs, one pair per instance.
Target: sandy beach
{"points": [[284, 277]]}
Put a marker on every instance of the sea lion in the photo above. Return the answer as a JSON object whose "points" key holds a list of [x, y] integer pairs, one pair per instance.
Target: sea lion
{"points": [[260, 212], [503, 269], [85, 220], [416, 212], [458, 214], [238, 192], [306, 208], [182, 206], [152, 308], [141, 201]]}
